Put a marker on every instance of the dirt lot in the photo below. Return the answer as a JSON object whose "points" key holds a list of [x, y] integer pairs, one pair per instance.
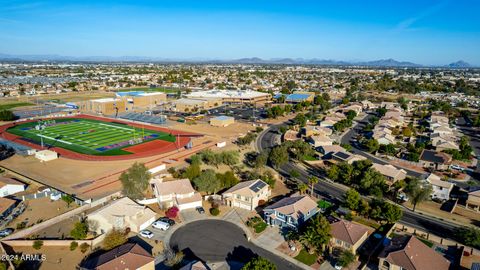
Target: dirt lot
{"points": [[41, 209], [57, 258]]}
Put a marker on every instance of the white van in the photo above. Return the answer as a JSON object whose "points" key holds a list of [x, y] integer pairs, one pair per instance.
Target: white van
{"points": [[161, 225]]}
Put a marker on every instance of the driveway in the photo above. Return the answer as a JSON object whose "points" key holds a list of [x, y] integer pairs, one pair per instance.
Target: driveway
{"points": [[217, 240]]}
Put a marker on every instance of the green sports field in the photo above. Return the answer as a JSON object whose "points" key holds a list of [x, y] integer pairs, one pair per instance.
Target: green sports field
{"points": [[88, 136]]}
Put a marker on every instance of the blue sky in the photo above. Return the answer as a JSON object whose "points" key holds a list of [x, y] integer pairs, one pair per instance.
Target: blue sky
{"points": [[425, 32]]}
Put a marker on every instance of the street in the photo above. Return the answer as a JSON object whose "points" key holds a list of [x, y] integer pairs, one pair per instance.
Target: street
{"points": [[336, 191], [216, 241]]}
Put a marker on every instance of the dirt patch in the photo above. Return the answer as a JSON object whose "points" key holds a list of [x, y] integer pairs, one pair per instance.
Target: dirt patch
{"points": [[56, 258], [39, 210]]}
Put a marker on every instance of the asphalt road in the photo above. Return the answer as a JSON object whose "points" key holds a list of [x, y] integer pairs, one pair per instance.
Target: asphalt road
{"points": [[353, 132], [217, 240], [336, 191]]}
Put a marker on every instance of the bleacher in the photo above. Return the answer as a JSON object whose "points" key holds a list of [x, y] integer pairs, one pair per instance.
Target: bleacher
{"points": [[138, 117]]}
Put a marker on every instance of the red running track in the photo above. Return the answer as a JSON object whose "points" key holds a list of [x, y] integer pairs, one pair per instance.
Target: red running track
{"points": [[139, 150]]}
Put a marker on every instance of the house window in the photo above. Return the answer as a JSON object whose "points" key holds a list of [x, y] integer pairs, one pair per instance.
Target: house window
{"points": [[339, 242], [238, 196], [247, 199], [386, 264]]}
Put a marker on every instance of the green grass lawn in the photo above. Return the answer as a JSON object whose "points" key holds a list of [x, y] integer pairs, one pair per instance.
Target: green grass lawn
{"points": [[306, 257], [88, 136], [260, 227], [14, 105]]}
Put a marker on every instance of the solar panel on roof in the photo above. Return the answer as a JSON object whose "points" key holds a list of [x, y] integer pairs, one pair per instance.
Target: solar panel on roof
{"points": [[257, 186], [342, 155]]}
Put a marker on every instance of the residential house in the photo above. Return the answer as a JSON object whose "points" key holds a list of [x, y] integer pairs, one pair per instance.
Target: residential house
{"points": [[128, 256], [9, 186], [320, 140], [330, 149], [347, 157], [122, 213], [435, 160], [473, 200], [179, 193], [391, 173], [348, 235], [409, 253], [384, 138], [247, 194], [291, 211], [6, 206], [291, 135], [440, 189]]}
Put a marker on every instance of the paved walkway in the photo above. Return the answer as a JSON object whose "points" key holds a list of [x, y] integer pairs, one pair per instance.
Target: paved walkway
{"points": [[268, 242]]}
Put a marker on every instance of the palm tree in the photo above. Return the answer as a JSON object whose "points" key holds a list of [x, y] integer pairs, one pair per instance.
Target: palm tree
{"points": [[308, 239], [312, 181], [302, 187]]}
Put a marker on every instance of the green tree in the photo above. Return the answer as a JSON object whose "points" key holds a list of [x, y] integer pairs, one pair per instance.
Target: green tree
{"points": [[80, 230], [114, 238], [312, 181], [278, 156], [333, 173], [294, 173], [372, 145], [6, 115], [260, 160], [68, 199], [259, 263], [192, 171], [317, 234], [346, 258], [208, 182], [37, 244], [392, 213], [352, 199], [135, 181], [468, 236], [417, 191], [300, 120], [302, 188], [228, 179]]}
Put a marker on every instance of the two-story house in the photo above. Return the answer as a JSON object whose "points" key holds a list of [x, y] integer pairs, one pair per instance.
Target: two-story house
{"points": [[440, 189], [290, 211], [391, 173], [247, 194], [179, 193], [348, 235]]}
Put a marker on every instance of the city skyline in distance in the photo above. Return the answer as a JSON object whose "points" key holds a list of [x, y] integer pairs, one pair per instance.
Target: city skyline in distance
{"points": [[427, 33]]}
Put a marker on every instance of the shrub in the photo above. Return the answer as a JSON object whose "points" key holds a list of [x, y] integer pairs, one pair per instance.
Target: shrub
{"points": [[73, 245], [114, 238], [79, 230], [37, 244], [84, 247], [172, 212], [214, 211], [21, 225]]}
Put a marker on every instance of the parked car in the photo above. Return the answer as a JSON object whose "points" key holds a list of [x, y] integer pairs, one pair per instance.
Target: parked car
{"points": [[338, 266], [200, 210], [6, 232], [170, 222], [457, 167], [146, 233], [161, 225]]}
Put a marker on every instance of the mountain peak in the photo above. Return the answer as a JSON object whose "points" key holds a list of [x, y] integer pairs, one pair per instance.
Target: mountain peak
{"points": [[459, 64]]}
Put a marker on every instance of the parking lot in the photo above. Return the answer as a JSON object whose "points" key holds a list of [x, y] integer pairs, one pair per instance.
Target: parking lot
{"points": [[240, 112]]}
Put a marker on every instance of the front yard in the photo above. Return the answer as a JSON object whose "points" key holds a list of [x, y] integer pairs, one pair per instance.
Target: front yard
{"points": [[306, 257]]}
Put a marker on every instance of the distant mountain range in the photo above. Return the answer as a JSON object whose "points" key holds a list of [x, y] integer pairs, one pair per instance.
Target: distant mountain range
{"points": [[252, 60]]}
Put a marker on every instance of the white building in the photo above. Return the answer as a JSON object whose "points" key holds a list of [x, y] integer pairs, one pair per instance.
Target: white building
{"points": [[440, 189], [46, 155], [179, 193], [10, 186]]}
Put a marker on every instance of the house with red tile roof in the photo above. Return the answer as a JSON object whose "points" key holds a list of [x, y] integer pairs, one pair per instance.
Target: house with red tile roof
{"points": [[409, 253], [348, 235], [126, 256]]}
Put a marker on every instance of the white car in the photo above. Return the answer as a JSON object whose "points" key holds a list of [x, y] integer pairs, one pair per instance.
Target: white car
{"points": [[161, 225], [338, 266], [146, 233]]}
